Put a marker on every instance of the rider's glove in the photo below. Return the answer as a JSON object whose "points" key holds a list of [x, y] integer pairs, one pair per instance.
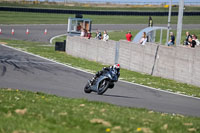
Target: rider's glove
{"points": [[105, 68]]}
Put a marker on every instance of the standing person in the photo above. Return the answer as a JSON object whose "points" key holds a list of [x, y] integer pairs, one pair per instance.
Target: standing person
{"points": [[105, 36], [129, 36], [89, 34], [98, 35], [150, 22], [186, 38], [143, 39], [172, 39], [78, 28], [86, 33], [82, 32]]}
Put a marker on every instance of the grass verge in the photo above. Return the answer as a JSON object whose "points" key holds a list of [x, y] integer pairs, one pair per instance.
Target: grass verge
{"points": [[49, 18], [121, 35], [28, 112], [59, 39], [144, 79]]}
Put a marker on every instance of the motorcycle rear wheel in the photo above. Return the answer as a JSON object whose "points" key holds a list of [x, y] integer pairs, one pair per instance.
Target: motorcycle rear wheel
{"points": [[87, 88], [103, 86]]}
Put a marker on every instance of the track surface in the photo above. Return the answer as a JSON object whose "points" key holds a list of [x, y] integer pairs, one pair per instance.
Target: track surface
{"points": [[37, 31], [20, 70]]}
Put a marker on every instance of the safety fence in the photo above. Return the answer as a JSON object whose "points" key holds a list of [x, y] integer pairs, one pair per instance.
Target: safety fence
{"points": [[123, 13], [177, 63]]}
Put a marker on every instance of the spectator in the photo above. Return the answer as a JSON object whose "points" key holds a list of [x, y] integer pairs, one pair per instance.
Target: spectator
{"points": [[191, 43], [82, 32], [194, 37], [78, 27], [98, 35], [105, 36], [89, 34], [172, 39], [86, 33], [186, 38], [143, 39], [129, 36]]}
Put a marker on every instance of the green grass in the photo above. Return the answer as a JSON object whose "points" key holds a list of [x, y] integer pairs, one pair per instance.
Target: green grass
{"points": [[121, 35], [144, 79], [28, 112], [48, 18], [59, 39]]}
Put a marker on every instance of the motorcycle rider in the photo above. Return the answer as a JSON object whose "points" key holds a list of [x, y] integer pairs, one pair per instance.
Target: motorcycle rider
{"points": [[115, 68]]}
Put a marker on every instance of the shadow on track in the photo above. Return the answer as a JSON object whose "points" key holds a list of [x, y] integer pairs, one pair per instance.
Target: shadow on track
{"points": [[108, 95]]}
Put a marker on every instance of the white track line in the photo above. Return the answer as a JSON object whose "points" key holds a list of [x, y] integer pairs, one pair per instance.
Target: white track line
{"points": [[92, 73], [51, 40], [34, 62]]}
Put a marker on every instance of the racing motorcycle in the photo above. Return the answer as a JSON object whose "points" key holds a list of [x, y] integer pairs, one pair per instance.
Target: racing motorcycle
{"points": [[102, 83]]}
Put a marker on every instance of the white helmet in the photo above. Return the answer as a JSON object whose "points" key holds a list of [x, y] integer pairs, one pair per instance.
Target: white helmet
{"points": [[116, 66]]}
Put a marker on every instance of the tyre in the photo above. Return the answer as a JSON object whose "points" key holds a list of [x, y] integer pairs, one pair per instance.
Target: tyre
{"points": [[103, 86], [111, 85], [87, 88]]}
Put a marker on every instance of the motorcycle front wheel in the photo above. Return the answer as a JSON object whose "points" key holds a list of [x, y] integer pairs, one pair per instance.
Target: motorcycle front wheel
{"points": [[87, 88], [103, 86]]}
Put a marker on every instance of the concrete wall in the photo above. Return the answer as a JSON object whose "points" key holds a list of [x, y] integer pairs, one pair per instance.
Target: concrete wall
{"points": [[137, 57], [177, 63], [93, 49]]}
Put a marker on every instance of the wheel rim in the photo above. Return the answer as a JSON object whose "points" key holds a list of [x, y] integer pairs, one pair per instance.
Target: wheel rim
{"points": [[102, 85]]}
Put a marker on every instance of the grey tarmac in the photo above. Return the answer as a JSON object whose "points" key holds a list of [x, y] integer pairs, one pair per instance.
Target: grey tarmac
{"points": [[20, 70], [37, 30]]}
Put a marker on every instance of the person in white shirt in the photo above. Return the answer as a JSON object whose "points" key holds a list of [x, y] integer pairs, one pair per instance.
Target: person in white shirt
{"points": [[82, 32], [105, 36], [143, 39], [194, 37]]}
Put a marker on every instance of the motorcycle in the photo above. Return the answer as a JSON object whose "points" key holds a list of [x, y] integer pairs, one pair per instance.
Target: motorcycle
{"points": [[102, 83]]}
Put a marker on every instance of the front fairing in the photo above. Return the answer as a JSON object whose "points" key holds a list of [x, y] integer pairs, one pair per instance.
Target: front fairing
{"points": [[113, 75], [109, 75], [96, 85]]}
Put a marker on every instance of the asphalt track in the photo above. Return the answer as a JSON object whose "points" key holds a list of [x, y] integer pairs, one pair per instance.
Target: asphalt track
{"points": [[37, 31], [24, 71]]}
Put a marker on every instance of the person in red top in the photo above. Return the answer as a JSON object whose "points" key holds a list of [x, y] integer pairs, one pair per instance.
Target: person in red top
{"points": [[129, 36], [89, 34]]}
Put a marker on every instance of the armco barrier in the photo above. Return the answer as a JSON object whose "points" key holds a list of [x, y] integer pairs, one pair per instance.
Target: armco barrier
{"points": [[123, 13], [177, 63]]}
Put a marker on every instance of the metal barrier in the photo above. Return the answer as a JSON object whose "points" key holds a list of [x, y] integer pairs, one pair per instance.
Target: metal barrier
{"points": [[151, 32], [123, 13]]}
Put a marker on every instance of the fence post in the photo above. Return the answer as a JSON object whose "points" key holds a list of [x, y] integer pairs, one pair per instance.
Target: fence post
{"points": [[161, 31], [117, 52], [155, 59]]}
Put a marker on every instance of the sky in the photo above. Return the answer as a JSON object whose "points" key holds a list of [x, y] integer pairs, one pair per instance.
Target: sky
{"points": [[187, 2]]}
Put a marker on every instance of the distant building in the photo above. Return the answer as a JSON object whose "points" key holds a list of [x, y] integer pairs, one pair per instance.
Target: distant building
{"points": [[76, 24]]}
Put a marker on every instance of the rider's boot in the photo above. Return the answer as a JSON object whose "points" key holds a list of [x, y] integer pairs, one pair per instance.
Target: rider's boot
{"points": [[95, 77], [92, 80]]}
